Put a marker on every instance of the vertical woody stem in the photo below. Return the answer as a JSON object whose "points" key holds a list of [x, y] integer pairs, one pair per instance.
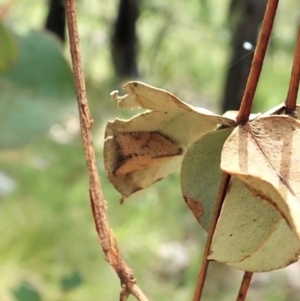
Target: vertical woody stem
{"points": [[244, 286], [291, 99], [107, 239], [205, 262], [257, 62]]}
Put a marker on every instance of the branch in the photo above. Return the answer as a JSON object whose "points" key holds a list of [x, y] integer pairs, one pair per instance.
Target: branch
{"points": [[107, 239], [217, 209], [244, 286], [257, 62], [291, 99]]}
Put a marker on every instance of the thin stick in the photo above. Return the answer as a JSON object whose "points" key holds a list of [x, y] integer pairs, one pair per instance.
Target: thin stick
{"points": [[257, 62], [205, 262], [291, 99], [244, 286], [107, 240]]}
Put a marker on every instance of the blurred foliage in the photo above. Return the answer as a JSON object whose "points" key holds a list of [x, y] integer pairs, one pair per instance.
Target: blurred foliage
{"points": [[8, 51], [26, 292], [48, 247], [38, 96]]}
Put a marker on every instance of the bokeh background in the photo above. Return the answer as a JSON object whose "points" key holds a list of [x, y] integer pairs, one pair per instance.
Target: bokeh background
{"points": [[49, 250]]}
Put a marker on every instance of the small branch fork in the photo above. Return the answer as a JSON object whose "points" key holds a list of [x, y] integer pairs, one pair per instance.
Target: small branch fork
{"points": [[291, 99], [106, 236], [257, 62]]}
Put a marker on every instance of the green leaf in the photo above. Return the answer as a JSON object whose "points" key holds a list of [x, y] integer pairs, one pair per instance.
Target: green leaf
{"points": [[248, 228], [201, 174], [8, 49], [250, 234], [36, 92], [71, 281], [280, 250], [26, 292], [244, 224]]}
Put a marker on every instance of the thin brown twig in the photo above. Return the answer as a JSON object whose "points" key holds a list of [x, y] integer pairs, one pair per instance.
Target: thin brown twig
{"points": [[205, 262], [107, 239], [244, 286], [257, 62], [291, 99]]}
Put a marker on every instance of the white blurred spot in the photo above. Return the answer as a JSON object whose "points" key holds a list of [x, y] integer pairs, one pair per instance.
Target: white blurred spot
{"points": [[293, 274], [72, 125], [176, 256], [64, 132], [7, 184], [248, 46], [40, 163]]}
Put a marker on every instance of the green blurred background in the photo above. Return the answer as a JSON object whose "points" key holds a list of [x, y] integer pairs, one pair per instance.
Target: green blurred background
{"points": [[49, 249]]}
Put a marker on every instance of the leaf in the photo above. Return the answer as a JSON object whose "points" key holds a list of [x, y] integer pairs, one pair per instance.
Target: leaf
{"points": [[71, 281], [36, 92], [265, 155], [279, 251], [8, 49], [250, 234], [128, 183], [247, 226], [25, 292], [232, 114], [200, 174], [179, 123]]}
